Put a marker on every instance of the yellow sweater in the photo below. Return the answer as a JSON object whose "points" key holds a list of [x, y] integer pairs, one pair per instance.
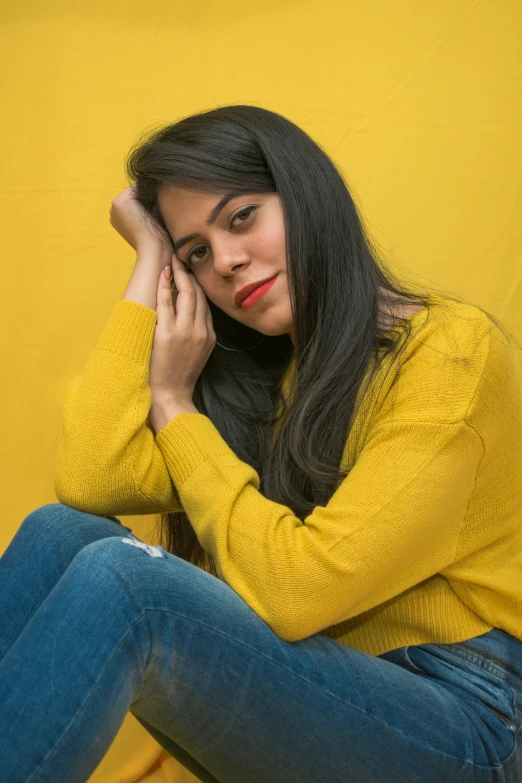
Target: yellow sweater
{"points": [[420, 543]]}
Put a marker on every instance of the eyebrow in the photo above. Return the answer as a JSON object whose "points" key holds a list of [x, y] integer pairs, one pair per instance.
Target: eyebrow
{"points": [[209, 221]]}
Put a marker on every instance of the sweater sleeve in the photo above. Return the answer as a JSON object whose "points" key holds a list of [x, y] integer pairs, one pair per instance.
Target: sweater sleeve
{"points": [[393, 522], [107, 461]]}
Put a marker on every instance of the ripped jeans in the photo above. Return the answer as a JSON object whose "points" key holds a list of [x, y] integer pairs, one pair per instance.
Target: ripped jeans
{"points": [[95, 623]]}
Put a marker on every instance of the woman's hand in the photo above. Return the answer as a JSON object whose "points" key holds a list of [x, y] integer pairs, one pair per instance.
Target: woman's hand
{"points": [[134, 224], [184, 337]]}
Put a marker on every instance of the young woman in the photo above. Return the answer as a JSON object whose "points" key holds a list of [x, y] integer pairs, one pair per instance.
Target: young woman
{"points": [[335, 463]]}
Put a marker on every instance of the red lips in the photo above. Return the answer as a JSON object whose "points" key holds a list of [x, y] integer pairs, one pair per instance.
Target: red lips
{"points": [[247, 290]]}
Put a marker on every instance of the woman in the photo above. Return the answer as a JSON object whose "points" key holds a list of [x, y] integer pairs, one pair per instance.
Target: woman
{"points": [[335, 463]]}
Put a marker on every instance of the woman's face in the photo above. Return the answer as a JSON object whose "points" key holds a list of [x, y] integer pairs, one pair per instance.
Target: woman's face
{"points": [[245, 243]]}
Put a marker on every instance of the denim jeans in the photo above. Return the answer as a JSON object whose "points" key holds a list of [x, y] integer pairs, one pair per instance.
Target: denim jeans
{"points": [[96, 623]]}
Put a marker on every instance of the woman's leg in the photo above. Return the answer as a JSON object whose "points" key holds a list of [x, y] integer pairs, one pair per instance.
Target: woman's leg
{"points": [[41, 551], [131, 627]]}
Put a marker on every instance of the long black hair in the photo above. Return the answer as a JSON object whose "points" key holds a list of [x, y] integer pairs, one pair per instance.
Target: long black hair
{"points": [[337, 284]]}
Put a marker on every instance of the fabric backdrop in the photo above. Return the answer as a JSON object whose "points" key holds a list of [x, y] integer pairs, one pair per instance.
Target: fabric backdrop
{"points": [[419, 104]]}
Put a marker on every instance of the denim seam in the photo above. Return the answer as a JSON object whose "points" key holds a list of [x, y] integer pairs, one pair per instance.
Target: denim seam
{"points": [[515, 750], [507, 721], [483, 663]]}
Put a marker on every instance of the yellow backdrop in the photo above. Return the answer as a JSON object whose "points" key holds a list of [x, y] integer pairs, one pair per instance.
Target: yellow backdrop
{"points": [[419, 104]]}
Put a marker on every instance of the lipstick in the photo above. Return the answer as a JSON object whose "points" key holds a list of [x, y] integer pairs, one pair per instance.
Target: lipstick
{"points": [[256, 295]]}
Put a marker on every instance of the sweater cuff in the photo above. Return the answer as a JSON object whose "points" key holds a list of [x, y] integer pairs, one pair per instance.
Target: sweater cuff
{"points": [[129, 331], [187, 441]]}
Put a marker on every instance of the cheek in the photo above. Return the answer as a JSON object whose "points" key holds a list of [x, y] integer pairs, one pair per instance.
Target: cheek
{"points": [[270, 244]]}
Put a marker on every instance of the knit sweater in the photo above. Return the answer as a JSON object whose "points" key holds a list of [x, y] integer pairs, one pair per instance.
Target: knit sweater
{"points": [[420, 543]]}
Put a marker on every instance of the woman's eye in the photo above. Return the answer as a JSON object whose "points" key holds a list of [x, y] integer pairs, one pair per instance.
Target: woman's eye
{"points": [[200, 247]]}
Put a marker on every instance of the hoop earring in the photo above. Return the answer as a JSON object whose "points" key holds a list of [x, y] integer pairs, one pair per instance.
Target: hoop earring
{"points": [[173, 288]]}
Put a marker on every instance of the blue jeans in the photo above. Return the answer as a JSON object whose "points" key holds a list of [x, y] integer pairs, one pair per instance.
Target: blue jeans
{"points": [[95, 623]]}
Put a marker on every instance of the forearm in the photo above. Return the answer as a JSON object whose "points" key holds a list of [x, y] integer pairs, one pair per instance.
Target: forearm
{"points": [[163, 410], [143, 284]]}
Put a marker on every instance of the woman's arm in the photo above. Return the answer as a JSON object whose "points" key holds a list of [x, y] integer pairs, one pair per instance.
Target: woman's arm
{"points": [[143, 284]]}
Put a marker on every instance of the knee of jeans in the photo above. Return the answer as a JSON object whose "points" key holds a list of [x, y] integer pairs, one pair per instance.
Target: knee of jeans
{"points": [[153, 551], [59, 513], [116, 548], [48, 511]]}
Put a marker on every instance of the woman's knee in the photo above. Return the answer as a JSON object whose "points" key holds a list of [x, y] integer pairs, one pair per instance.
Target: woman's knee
{"points": [[59, 516], [122, 562]]}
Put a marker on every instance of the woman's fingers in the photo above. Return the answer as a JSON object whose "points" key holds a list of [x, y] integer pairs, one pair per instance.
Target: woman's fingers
{"points": [[193, 308], [186, 301], [210, 323]]}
